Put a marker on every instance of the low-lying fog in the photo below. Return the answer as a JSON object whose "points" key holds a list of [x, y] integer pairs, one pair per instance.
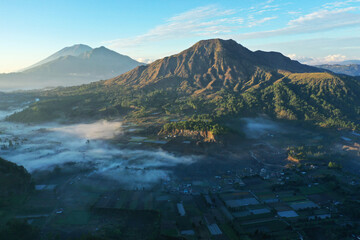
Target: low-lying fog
{"points": [[255, 128], [42, 147], [89, 146]]}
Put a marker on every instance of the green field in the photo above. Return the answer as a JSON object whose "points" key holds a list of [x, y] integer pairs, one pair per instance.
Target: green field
{"points": [[75, 217], [313, 189]]}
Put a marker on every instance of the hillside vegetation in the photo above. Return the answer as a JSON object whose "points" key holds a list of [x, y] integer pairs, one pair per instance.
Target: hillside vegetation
{"points": [[15, 181], [216, 78]]}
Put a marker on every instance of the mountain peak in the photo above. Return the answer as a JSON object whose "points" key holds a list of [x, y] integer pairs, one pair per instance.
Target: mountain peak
{"points": [[102, 49], [219, 44], [217, 41], [212, 65], [79, 45], [74, 50], [104, 52], [77, 49]]}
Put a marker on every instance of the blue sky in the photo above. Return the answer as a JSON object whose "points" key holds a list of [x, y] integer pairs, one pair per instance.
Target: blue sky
{"points": [[309, 31]]}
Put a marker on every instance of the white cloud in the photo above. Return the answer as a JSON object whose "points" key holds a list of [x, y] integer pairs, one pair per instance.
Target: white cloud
{"points": [[334, 58], [294, 12], [292, 56], [260, 21], [318, 21], [337, 4], [145, 60], [98, 130], [213, 21], [203, 21], [263, 8], [324, 15], [302, 59]]}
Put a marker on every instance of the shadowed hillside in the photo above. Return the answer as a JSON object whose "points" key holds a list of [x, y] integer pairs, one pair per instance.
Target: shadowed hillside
{"points": [[14, 179]]}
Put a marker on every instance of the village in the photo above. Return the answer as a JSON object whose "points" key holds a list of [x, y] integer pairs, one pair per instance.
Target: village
{"points": [[237, 204], [273, 192]]}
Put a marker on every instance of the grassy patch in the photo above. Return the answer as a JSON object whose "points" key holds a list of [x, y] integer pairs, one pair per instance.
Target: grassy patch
{"points": [[230, 233], [313, 189], [293, 198], [73, 218]]}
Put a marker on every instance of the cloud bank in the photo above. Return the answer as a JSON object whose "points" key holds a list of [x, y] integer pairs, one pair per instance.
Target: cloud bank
{"points": [[44, 147]]}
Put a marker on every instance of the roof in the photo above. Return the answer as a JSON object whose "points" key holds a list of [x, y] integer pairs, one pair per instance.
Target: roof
{"points": [[45, 187], [181, 209], [260, 211], [288, 214], [214, 229], [187, 232], [303, 205], [271, 200], [208, 199], [241, 202], [241, 214]]}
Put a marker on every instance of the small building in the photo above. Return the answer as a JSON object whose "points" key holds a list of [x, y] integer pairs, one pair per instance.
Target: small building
{"points": [[188, 232], [45, 187], [214, 229], [208, 200], [303, 205], [241, 202], [271, 200], [260, 211], [288, 214], [181, 209], [242, 214], [320, 216], [240, 182]]}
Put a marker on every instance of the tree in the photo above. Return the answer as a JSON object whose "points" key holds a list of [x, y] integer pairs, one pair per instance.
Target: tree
{"points": [[334, 165], [19, 230]]}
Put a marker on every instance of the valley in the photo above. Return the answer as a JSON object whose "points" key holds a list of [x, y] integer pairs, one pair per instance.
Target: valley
{"points": [[119, 177]]}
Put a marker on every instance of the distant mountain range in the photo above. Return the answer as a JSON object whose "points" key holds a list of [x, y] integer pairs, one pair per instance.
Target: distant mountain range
{"points": [[216, 79], [348, 62], [70, 66], [351, 67]]}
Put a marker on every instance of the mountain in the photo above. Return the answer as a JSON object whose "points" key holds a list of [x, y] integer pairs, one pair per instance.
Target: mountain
{"points": [[74, 65], [212, 65], [74, 50], [214, 79], [96, 64], [348, 69], [348, 62]]}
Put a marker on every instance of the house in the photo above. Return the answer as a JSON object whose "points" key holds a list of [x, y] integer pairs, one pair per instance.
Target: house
{"points": [[181, 209]]}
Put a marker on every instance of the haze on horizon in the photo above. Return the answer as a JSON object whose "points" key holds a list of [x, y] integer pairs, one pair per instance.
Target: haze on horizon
{"points": [[145, 31]]}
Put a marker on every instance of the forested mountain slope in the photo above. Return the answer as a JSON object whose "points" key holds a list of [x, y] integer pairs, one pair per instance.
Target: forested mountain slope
{"points": [[217, 79]]}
